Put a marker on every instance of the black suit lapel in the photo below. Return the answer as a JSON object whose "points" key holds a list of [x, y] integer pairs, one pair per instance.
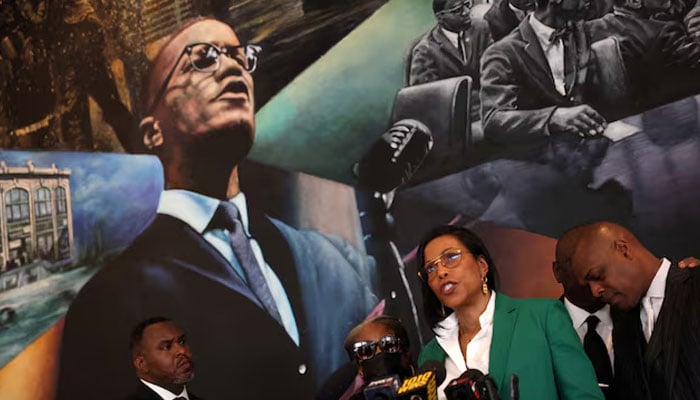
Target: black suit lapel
{"points": [[536, 64], [280, 258], [630, 380], [446, 46], [664, 347], [174, 240], [144, 393]]}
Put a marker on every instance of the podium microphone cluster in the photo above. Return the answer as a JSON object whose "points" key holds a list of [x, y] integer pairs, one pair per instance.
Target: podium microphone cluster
{"points": [[422, 386], [474, 385]]}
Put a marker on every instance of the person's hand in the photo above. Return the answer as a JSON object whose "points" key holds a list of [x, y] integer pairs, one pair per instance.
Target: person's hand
{"points": [[689, 262], [684, 52], [692, 22], [581, 120]]}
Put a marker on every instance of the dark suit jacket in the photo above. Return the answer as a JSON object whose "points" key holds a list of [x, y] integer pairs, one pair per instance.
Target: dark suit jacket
{"points": [[434, 57], [518, 96], [239, 350], [666, 368], [145, 393], [657, 70], [501, 19]]}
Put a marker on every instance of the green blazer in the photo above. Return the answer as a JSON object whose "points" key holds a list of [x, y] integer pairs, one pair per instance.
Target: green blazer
{"points": [[534, 339]]}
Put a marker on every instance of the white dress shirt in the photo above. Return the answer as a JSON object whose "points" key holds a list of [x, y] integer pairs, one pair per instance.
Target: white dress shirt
{"points": [[196, 210], [553, 51], [452, 37], [604, 328], [164, 393], [478, 349], [654, 298]]}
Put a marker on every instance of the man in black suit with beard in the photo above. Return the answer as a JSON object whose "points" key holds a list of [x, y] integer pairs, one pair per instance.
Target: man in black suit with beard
{"points": [[659, 312], [267, 305], [163, 360]]}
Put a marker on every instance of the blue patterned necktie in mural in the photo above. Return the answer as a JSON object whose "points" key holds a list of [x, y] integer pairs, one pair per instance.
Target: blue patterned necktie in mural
{"points": [[228, 217]]}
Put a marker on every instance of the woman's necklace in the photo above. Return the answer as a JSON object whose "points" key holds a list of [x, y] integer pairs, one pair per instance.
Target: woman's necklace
{"points": [[467, 336]]}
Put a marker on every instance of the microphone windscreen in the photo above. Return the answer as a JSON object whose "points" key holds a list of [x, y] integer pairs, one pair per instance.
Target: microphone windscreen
{"points": [[437, 367], [394, 158]]}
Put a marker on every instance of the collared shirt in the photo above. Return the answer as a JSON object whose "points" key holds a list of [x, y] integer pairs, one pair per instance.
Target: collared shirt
{"points": [[165, 394], [452, 37], [604, 328], [478, 349], [654, 298], [196, 210], [554, 52]]}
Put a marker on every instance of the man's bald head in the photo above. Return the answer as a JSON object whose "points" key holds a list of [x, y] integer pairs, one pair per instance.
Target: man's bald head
{"points": [[613, 263]]}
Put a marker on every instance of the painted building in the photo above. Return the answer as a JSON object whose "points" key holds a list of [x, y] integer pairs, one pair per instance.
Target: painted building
{"points": [[36, 219]]}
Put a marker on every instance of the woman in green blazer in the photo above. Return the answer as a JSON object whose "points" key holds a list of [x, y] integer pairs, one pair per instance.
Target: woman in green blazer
{"points": [[477, 328]]}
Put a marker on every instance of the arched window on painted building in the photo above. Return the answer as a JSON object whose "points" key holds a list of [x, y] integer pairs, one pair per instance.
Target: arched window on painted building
{"points": [[18, 226]]}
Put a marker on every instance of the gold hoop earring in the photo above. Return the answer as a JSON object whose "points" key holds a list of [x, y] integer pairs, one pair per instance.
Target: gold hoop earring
{"points": [[485, 286]]}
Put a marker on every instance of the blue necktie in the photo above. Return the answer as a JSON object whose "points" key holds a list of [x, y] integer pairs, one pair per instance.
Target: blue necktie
{"points": [[228, 217]]}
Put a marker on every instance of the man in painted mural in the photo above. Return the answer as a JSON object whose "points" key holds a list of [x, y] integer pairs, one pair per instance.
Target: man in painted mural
{"points": [[654, 309], [530, 88], [267, 306], [163, 360], [661, 60], [452, 48]]}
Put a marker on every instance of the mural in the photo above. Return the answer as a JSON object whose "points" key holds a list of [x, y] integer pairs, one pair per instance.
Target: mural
{"points": [[374, 121]]}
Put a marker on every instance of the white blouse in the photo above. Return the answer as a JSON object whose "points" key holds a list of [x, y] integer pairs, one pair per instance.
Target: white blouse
{"points": [[478, 349]]}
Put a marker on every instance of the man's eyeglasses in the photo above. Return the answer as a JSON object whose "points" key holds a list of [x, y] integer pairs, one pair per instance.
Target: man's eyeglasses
{"points": [[448, 259], [365, 350], [459, 8], [206, 57]]}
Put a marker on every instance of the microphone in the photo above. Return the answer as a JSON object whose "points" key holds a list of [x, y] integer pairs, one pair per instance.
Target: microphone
{"points": [[423, 385], [395, 157], [472, 385], [436, 366], [514, 387], [382, 389]]}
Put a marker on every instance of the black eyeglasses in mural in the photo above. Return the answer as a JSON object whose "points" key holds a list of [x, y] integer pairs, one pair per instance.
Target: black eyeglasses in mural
{"points": [[206, 57]]}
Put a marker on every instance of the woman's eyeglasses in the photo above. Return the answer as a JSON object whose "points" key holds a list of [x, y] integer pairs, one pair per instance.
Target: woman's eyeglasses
{"points": [[448, 259], [365, 350]]}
